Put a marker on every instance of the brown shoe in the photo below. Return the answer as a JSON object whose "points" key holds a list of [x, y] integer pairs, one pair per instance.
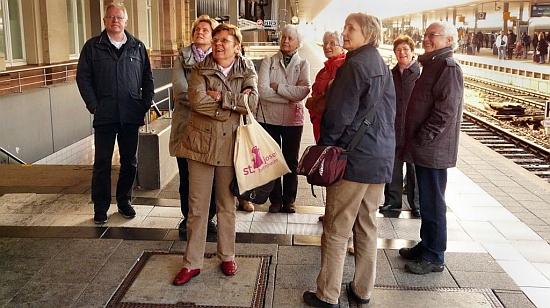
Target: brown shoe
{"points": [[289, 208], [246, 206], [275, 208], [321, 218]]}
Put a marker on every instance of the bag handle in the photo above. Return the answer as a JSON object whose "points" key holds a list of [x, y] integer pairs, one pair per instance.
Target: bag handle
{"points": [[366, 122]]}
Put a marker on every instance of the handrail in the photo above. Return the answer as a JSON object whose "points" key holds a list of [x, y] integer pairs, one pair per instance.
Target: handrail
{"points": [[155, 104], [10, 155], [46, 77]]}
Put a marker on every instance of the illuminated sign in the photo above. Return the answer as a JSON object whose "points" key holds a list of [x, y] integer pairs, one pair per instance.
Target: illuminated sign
{"points": [[539, 10]]}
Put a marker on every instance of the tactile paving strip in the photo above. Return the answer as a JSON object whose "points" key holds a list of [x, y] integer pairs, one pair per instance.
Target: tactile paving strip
{"points": [[490, 299], [258, 294]]}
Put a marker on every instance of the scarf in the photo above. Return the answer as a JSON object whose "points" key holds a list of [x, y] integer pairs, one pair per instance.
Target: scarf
{"points": [[198, 54]]}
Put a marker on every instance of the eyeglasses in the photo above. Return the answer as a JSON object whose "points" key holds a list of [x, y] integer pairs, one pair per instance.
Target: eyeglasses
{"points": [[432, 35], [119, 18], [330, 44], [402, 50], [223, 40]]}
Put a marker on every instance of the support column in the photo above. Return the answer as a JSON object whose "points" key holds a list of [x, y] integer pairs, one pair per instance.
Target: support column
{"points": [[55, 32]]}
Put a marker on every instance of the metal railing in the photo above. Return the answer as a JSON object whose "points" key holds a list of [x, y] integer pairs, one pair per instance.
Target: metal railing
{"points": [[154, 105], [11, 156], [24, 78]]}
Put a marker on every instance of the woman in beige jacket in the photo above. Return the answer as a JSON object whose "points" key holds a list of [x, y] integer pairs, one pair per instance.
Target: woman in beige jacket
{"points": [[284, 83], [218, 88]]}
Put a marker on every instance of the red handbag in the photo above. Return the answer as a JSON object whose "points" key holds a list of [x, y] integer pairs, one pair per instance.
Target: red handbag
{"points": [[323, 165]]}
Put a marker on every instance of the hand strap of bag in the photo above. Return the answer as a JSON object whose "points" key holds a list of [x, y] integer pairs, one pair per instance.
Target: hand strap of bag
{"points": [[367, 122]]}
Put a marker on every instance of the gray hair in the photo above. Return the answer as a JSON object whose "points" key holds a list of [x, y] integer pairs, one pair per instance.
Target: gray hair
{"points": [[117, 5], [448, 30], [371, 26], [334, 34], [293, 29]]}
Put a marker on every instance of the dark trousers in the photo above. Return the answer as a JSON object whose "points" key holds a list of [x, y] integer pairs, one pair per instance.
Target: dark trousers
{"points": [[183, 167], [288, 138], [393, 192], [127, 137], [433, 229]]}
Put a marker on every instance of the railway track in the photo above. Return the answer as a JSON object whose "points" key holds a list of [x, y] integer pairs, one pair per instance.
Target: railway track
{"points": [[526, 145]]}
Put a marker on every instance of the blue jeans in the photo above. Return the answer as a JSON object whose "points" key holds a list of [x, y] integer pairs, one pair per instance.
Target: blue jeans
{"points": [[127, 137], [433, 229], [502, 52]]}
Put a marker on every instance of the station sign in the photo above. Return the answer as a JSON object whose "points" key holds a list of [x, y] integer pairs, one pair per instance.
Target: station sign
{"points": [[481, 15], [540, 10], [270, 23]]}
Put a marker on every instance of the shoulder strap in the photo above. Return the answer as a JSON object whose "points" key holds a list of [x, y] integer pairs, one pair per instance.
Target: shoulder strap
{"points": [[367, 122]]}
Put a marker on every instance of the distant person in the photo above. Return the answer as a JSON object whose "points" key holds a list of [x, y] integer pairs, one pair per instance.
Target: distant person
{"points": [[115, 81], [405, 73], [502, 43], [284, 83], [511, 43], [526, 42], [363, 80], [493, 38], [432, 129], [219, 87], [187, 57], [479, 40], [542, 48], [535, 41]]}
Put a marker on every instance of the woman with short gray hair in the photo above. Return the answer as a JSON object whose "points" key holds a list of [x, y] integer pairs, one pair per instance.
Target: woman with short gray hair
{"points": [[283, 84]]}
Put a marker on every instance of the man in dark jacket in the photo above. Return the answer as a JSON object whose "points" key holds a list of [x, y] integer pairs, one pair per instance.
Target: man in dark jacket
{"points": [[115, 81], [432, 128], [512, 38]]}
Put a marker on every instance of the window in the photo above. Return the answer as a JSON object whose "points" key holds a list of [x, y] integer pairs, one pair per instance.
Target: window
{"points": [[11, 32], [75, 20]]}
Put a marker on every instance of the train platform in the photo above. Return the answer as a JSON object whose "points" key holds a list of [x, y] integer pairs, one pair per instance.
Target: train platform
{"points": [[53, 255]]}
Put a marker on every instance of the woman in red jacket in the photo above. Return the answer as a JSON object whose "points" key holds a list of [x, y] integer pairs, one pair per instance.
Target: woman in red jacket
{"points": [[332, 47]]}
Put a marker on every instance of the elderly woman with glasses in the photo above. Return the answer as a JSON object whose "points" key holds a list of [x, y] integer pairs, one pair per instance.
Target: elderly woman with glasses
{"points": [[187, 57], [332, 48], [283, 85], [362, 83], [219, 87]]}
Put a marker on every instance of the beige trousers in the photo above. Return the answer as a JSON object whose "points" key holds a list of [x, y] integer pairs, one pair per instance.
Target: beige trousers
{"points": [[351, 206], [201, 179]]}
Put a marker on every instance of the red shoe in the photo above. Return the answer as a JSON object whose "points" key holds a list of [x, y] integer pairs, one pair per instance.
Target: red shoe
{"points": [[229, 268], [185, 275]]}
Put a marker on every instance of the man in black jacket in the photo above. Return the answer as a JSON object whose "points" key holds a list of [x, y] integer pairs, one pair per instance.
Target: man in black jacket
{"points": [[432, 128], [115, 81]]}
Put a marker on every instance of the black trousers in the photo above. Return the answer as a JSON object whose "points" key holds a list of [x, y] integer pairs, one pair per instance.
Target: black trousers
{"points": [[183, 168], [127, 137], [288, 138]]}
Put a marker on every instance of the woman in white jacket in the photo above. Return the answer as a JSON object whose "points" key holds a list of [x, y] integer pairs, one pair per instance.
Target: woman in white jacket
{"points": [[283, 84]]}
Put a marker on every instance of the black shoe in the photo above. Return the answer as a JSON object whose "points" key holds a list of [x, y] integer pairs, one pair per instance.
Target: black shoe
{"points": [[390, 207], [182, 229], [100, 217], [352, 295], [422, 267], [212, 228], [415, 212], [311, 299], [411, 253], [126, 210]]}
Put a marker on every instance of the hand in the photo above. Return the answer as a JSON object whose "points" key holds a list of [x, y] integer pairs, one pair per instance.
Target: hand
{"points": [[274, 86], [246, 91], [213, 94]]}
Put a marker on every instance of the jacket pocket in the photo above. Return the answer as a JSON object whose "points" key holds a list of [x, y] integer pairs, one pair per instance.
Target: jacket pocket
{"points": [[197, 137]]}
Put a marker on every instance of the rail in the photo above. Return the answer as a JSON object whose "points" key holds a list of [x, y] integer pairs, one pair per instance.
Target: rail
{"points": [[155, 105], [20, 79], [11, 156]]}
